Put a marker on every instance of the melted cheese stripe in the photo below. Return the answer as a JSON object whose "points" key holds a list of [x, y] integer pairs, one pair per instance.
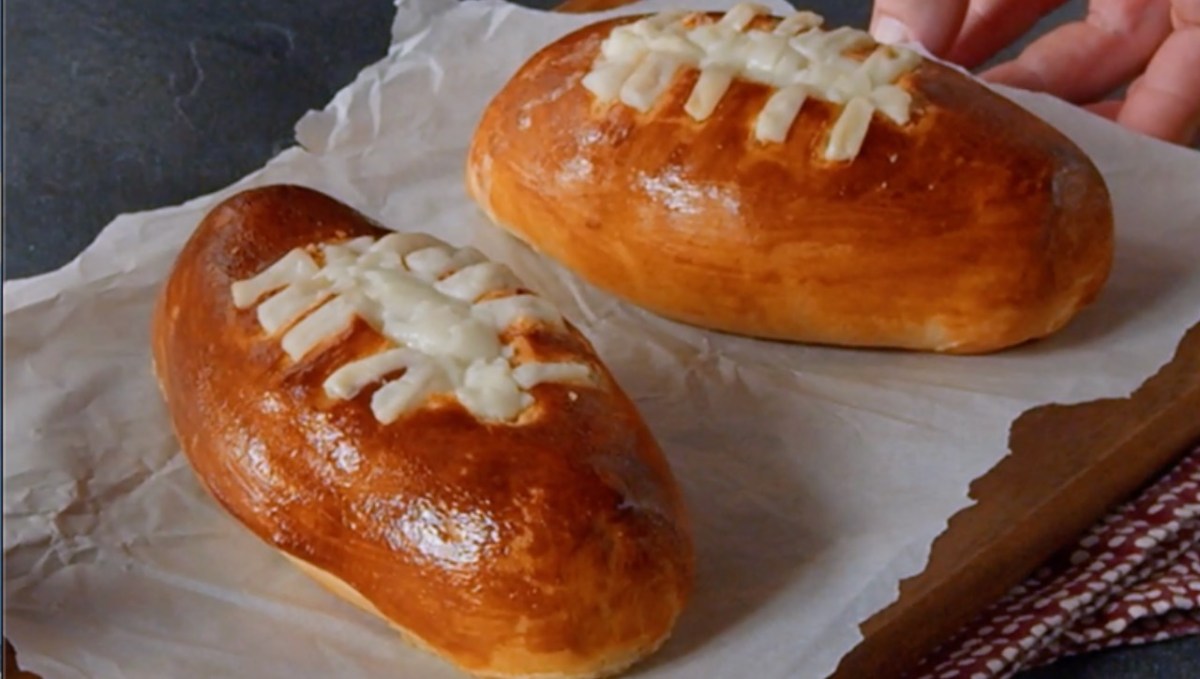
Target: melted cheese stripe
{"points": [[846, 137], [779, 113], [529, 375], [421, 294], [331, 319], [649, 80], [296, 266], [489, 390], [505, 312], [431, 263], [281, 309], [798, 23], [740, 15], [709, 88], [399, 396], [470, 283], [639, 61], [355, 376]]}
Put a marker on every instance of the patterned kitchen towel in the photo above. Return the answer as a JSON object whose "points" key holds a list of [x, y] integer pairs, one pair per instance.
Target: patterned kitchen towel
{"points": [[1133, 579]]}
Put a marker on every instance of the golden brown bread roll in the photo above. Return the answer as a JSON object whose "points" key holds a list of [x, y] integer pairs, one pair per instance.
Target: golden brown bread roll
{"points": [[771, 178], [433, 443]]}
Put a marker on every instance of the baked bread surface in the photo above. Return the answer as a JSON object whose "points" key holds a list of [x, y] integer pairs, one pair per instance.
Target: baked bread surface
{"points": [[971, 228], [557, 546]]}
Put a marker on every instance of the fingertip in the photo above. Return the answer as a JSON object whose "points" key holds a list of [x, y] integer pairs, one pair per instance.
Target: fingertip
{"points": [[1161, 125], [992, 25], [1164, 102], [1109, 109], [890, 31], [934, 25], [1015, 74]]}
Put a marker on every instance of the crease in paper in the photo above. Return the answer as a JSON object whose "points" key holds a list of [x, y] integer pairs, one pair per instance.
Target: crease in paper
{"points": [[817, 478]]}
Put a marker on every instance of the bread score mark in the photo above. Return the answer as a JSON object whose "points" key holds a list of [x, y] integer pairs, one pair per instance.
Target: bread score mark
{"points": [[638, 62], [443, 310]]}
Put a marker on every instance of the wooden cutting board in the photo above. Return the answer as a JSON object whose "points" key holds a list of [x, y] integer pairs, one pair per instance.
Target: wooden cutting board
{"points": [[1068, 465]]}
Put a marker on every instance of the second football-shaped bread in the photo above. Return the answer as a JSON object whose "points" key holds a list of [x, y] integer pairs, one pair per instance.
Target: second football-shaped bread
{"points": [[771, 177]]}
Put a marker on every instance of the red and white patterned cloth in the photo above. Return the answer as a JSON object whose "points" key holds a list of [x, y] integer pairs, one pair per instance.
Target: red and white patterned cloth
{"points": [[1133, 579]]}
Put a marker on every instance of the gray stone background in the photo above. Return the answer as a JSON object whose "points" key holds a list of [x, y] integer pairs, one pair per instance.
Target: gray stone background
{"points": [[115, 106]]}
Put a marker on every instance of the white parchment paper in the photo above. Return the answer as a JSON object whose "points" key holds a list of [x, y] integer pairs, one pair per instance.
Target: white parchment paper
{"points": [[817, 478]]}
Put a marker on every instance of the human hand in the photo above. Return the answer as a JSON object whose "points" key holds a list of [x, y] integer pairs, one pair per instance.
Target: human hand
{"points": [[1153, 46]]}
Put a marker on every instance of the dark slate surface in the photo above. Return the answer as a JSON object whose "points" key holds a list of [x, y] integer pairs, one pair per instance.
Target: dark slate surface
{"points": [[115, 106], [123, 105]]}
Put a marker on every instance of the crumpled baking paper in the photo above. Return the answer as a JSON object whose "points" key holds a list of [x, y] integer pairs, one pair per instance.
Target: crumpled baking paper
{"points": [[817, 477]]}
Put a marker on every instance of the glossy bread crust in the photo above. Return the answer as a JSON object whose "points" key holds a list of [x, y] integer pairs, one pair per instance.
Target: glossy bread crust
{"points": [[558, 547], [975, 227]]}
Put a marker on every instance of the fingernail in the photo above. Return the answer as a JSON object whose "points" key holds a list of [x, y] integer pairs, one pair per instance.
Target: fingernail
{"points": [[890, 31]]}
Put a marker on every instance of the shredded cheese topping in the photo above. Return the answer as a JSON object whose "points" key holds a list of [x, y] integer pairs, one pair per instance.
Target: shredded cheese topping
{"points": [[639, 61], [424, 297]]}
